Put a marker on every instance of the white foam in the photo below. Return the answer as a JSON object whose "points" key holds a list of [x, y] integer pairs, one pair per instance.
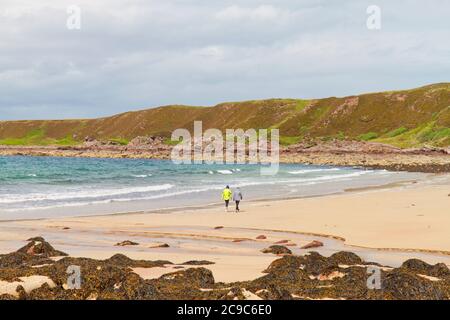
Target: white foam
{"points": [[312, 170], [225, 171], [14, 198], [79, 204]]}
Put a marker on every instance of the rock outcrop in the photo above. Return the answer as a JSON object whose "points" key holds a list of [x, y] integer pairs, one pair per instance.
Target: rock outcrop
{"points": [[312, 244], [276, 249], [343, 275], [126, 243]]}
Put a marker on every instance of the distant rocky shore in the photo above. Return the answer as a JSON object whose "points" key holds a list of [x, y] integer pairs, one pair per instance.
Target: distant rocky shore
{"points": [[336, 153], [369, 154], [39, 271]]}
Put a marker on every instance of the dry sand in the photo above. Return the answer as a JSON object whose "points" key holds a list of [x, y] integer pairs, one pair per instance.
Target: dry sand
{"points": [[408, 221]]}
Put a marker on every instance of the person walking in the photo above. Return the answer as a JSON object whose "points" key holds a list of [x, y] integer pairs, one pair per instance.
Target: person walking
{"points": [[237, 197], [226, 196]]}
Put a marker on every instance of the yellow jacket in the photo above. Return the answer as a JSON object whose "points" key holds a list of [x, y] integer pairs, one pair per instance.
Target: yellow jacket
{"points": [[226, 194]]}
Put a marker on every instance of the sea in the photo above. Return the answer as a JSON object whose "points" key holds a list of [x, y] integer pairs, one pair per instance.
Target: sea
{"points": [[43, 187]]}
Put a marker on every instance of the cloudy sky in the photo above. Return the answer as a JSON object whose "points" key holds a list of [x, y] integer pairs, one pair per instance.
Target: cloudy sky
{"points": [[135, 54]]}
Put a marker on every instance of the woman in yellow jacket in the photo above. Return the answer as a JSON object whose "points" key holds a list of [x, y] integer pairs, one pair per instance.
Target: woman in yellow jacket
{"points": [[226, 196]]}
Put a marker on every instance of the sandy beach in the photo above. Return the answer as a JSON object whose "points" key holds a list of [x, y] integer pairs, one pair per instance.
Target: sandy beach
{"points": [[387, 224]]}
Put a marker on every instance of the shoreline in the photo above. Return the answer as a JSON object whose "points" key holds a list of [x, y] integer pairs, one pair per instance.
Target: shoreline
{"points": [[373, 156], [216, 205]]}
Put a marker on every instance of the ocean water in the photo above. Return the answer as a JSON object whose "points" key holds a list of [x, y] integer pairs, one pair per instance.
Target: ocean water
{"points": [[38, 187]]}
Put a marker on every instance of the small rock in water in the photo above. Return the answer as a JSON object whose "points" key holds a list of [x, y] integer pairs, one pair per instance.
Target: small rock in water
{"points": [[282, 241], [197, 262], [290, 244], [313, 244], [261, 237], [126, 243], [277, 250], [238, 240], [218, 227], [161, 245]]}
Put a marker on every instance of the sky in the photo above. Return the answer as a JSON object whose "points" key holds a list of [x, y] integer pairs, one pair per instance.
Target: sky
{"points": [[137, 54]]}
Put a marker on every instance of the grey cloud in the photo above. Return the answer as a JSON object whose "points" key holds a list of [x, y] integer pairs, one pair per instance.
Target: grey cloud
{"points": [[136, 54]]}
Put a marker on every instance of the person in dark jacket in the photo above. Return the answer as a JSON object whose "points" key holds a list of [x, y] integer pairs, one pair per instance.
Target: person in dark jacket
{"points": [[237, 198]]}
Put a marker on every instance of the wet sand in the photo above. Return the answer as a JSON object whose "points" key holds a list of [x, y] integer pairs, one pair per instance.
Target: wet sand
{"points": [[387, 225]]}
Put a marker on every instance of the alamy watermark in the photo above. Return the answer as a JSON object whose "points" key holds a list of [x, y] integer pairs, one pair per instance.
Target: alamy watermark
{"points": [[251, 146], [374, 279], [74, 277], [374, 19], [74, 19]]}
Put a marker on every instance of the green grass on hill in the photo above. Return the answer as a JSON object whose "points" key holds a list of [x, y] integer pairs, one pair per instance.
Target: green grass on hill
{"points": [[396, 132], [121, 141], [368, 136], [301, 104], [170, 142], [33, 137], [285, 141], [37, 137], [425, 134], [407, 118]]}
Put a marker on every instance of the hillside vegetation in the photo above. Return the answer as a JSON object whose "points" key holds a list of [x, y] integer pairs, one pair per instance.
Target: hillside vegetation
{"points": [[408, 118]]}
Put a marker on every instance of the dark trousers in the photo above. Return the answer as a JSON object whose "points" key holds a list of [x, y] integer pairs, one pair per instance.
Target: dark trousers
{"points": [[226, 203], [237, 205]]}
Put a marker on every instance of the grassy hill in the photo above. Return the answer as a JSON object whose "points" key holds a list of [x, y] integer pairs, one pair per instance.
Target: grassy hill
{"points": [[402, 118]]}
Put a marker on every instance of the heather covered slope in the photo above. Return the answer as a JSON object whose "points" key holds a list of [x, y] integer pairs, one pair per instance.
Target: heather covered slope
{"points": [[408, 118]]}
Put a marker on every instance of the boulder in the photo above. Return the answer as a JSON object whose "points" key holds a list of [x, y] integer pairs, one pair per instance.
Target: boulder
{"points": [[286, 262], [345, 258], [197, 263], [276, 249], [161, 245], [37, 246], [313, 244], [126, 243], [195, 277], [439, 270], [123, 261]]}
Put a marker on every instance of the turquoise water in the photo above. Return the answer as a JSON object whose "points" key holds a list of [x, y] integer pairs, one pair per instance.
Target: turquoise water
{"points": [[41, 186]]}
